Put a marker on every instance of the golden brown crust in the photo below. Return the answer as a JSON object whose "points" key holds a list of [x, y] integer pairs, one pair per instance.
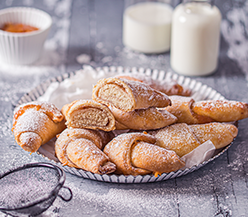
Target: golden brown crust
{"points": [[168, 87], [220, 134], [45, 107], [221, 110], [119, 152], [34, 124], [182, 108], [177, 137], [128, 95], [136, 154], [81, 148], [143, 119], [88, 114], [154, 158], [187, 110], [183, 138]]}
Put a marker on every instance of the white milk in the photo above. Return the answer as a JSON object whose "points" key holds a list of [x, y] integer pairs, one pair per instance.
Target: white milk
{"points": [[147, 27], [195, 39]]}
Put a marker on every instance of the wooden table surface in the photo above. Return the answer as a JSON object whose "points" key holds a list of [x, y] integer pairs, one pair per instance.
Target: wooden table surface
{"points": [[93, 29]]}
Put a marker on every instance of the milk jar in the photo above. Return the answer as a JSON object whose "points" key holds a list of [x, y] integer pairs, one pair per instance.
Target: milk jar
{"points": [[195, 38], [147, 26]]}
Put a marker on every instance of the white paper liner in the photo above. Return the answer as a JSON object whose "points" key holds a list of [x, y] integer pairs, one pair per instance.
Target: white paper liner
{"points": [[200, 154], [64, 89]]}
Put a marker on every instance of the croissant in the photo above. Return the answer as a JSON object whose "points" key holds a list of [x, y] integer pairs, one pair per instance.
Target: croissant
{"points": [[165, 86], [88, 114], [128, 95], [137, 154], [221, 110], [183, 138], [142, 119], [188, 111], [81, 148], [35, 123]]}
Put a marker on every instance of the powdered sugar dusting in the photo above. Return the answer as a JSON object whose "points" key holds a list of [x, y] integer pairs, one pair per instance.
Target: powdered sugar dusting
{"points": [[83, 59], [31, 121], [27, 186], [127, 202], [148, 95]]}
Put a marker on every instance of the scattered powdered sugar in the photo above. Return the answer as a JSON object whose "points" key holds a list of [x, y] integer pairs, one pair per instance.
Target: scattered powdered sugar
{"points": [[219, 104], [127, 202], [31, 120], [83, 59], [27, 186], [144, 91], [107, 59]]}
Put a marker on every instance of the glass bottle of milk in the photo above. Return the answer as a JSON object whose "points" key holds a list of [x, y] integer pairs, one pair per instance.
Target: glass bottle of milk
{"points": [[195, 38], [147, 25]]}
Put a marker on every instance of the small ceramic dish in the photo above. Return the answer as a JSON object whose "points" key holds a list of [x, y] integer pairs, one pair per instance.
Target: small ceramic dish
{"points": [[23, 48]]}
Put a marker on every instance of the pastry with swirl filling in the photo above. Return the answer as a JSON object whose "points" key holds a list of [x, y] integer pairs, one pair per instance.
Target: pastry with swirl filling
{"points": [[88, 114], [128, 95], [81, 148]]}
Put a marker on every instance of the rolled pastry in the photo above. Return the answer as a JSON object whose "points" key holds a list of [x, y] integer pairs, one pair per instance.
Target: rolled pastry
{"points": [[169, 87], [136, 154], [88, 114], [35, 123], [128, 95], [220, 134], [183, 138], [188, 111], [221, 110], [142, 119], [81, 148]]}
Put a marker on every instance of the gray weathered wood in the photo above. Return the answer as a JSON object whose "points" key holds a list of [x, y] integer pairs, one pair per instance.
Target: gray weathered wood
{"points": [[94, 27]]}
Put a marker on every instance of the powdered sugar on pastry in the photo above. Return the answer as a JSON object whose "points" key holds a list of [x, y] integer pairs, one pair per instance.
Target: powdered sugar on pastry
{"points": [[88, 114], [136, 154], [35, 123], [81, 148], [183, 138], [169, 87], [143, 119], [222, 110], [128, 95]]}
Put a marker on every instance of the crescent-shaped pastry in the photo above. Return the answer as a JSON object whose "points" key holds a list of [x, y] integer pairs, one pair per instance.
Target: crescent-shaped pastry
{"points": [[81, 148], [169, 87], [221, 110], [88, 114], [183, 138], [220, 134], [177, 137], [182, 108], [188, 111], [35, 123], [137, 154], [143, 119], [128, 95]]}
